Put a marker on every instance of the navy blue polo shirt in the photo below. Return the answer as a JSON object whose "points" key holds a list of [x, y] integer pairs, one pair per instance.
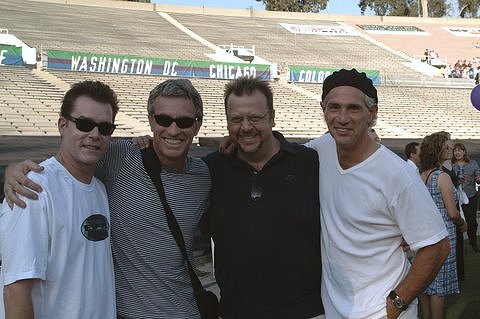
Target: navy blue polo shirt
{"points": [[266, 229]]}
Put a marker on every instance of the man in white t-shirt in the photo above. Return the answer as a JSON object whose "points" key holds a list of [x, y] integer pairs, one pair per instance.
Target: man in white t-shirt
{"points": [[56, 255], [412, 152], [369, 200]]}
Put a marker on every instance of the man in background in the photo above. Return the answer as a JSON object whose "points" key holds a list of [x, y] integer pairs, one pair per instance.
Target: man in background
{"points": [[412, 152]]}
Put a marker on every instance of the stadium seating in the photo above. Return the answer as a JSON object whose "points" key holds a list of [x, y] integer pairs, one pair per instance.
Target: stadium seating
{"points": [[27, 103], [97, 29], [30, 100], [450, 48], [278, 45]]}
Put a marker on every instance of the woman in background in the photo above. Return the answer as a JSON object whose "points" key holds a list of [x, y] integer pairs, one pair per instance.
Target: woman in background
{"points": [[468, 172], [447, 167], [432, 153]]}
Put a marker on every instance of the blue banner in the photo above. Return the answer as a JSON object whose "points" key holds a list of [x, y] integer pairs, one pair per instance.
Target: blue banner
{"points": [[312, 74], [128, 64], [10, 55]]}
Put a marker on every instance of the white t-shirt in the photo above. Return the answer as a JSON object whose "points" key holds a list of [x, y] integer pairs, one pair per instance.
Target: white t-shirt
{"points": [[412, 165], [63, 239], [365, 212]]}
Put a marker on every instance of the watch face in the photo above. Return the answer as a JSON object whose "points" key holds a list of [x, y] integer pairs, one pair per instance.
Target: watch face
{"points": [[397, 302]]}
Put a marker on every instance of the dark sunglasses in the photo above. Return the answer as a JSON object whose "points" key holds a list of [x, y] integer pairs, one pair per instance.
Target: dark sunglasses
{"points": [[182, 122], [86, 125]]}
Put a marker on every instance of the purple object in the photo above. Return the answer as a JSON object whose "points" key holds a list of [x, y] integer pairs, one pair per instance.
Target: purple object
{"points": [[475, 97]]}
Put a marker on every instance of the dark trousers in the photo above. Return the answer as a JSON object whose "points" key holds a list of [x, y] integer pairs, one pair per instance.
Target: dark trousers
{"points": [[470, 211]]}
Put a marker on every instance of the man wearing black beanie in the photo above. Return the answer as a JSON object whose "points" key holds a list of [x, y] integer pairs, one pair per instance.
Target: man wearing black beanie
{"points": [[370, 200]]}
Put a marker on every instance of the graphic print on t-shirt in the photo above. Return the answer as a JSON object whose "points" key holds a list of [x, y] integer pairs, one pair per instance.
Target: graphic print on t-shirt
{"points": [[95, 227]]}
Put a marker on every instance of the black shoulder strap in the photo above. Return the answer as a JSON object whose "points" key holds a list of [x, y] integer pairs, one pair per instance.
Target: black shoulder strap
{"points": [[153, 167]]}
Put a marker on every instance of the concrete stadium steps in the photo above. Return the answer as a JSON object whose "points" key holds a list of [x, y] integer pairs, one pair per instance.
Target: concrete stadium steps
{"points": [[449, 47], [414, 112], [278, 45], [29, 106], [96, 29], [296, 115], [27, 103], [422, 111]]}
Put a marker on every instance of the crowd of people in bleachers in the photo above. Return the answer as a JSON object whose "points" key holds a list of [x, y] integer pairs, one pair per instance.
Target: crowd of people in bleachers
{"points": [[462, 69], [465, 69]]}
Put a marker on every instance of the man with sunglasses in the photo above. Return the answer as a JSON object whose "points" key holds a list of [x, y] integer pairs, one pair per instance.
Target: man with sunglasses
{"points": [[151, 277], [264, 214], [56, 254]]}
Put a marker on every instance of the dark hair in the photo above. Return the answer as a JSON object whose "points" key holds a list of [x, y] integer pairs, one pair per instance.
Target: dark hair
{"points": [[95, 90], [177, 88], [461, 146], [247, 85], [431, 151], [411, 148], [448, 135]]}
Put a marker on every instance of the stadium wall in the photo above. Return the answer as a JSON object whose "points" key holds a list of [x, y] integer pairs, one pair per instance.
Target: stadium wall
{"points": [[262, 13]]}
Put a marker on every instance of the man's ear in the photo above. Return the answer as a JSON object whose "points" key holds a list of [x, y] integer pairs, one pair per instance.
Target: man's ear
{"points": [[198, 125], [272, 118], [62, 124]]}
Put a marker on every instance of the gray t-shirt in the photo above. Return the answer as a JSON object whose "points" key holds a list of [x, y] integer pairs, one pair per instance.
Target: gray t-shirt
{"points": [[151, 277]]}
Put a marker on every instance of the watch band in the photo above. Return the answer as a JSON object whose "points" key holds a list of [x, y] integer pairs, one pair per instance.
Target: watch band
{"points": [[398, 302]]}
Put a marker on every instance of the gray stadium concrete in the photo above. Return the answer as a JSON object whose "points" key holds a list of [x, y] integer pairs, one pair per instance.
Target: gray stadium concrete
{"points": [[37, 148]]}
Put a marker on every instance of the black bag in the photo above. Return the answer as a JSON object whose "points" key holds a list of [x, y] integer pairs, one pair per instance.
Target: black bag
{"points": [[207, 302]]}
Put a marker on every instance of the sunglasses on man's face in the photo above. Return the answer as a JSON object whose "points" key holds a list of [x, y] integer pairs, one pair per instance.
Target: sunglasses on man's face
{"points": [[182, 122], [86, 125]]}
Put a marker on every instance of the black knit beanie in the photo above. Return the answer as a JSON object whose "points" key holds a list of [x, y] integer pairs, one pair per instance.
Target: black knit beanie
{"points": [[349, 78]]}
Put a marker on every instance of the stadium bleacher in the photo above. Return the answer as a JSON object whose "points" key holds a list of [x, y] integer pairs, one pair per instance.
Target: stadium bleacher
{"points": [[437, 38], [96, 29], [30, 98], [276, 44]]}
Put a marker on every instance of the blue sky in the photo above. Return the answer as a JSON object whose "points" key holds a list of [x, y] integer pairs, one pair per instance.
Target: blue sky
{"points": [[334, 6]]}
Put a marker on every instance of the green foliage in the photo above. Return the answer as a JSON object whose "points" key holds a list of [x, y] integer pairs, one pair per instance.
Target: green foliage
{"points": [[412, 8], [295, 5], [468, 8]]}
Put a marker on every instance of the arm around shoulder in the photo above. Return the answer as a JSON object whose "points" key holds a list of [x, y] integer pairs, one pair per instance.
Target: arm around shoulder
{"points": [[16, 182]]}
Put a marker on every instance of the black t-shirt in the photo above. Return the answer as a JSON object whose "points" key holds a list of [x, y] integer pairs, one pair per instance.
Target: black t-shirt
{"points": [[266, 229]]}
